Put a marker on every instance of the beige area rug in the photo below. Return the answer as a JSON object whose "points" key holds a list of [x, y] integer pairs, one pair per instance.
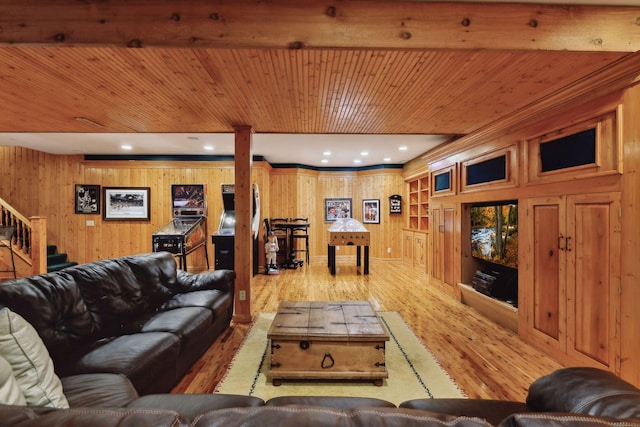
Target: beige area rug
{"points": [[413, 371]]}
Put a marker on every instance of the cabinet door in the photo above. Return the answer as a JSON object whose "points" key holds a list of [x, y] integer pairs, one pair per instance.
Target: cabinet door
{"points": [[407, 246], [420, 251], [442, 235], [572, 297], [545, 291], [437, 239], [593, 277]]}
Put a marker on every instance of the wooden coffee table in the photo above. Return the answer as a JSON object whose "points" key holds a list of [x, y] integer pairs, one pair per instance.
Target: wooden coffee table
{"points": [[327, 340]]}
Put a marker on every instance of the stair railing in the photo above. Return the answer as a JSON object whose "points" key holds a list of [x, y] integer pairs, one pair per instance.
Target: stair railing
{"points": [[30, 239]]}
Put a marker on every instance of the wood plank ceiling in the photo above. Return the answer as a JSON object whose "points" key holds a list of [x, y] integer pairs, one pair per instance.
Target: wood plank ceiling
{"points": [[85, 81]]}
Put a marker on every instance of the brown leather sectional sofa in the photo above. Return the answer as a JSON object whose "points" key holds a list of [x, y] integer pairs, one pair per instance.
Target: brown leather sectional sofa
{"points": [[568, 397], [137, 316]]}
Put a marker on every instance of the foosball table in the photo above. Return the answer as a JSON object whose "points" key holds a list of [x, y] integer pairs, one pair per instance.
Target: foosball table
{"points": [[348, 232]]}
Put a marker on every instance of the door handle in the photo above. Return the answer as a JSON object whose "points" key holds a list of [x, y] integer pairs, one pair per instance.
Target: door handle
{"points": [[560, 237]]}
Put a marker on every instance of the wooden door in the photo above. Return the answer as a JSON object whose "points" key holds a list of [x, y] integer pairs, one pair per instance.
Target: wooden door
{"points": [[593, 277], [420, 251], [572, 287], [545, 285], [448, 247], [437, 242], [443, 265], [407, 246]]}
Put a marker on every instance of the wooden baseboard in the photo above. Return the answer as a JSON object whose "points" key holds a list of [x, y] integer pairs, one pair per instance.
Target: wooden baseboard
{"points": [[499, 312]]}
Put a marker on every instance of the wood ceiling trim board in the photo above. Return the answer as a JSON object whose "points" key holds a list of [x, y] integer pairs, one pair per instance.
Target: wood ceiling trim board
{"points": [[363, 24]]}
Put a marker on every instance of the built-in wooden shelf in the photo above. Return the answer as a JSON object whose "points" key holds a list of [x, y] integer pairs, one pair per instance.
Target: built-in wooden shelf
{"points": [[500, 312]]}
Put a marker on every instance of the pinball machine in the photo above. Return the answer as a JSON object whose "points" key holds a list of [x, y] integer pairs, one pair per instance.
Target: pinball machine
{"points": [[224, 239], [187, 231]]}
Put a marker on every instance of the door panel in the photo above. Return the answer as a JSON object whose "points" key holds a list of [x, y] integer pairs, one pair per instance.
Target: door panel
{"points": [[437, 235], [448, 245], [546, 270], [593, 278]]}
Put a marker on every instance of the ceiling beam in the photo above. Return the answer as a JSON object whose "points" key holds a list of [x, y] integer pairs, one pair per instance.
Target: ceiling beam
{"points": [[320, 24]]}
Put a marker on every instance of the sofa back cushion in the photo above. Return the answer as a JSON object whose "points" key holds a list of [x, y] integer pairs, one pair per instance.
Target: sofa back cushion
{"points": [[53, 305], [156, 274], [583, 390], [111, 292]]}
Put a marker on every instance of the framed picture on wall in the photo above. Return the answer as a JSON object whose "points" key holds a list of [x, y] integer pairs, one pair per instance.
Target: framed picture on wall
{"points": [[125, 203], [87, 199], [336, 208], [371, 211]]}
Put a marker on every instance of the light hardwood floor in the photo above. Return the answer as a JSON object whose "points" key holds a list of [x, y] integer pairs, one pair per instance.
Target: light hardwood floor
{"points": [[486, 360]]}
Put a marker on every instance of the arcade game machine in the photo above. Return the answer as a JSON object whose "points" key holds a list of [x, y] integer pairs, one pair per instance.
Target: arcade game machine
{"points": [[223, 239], [187, 231]]}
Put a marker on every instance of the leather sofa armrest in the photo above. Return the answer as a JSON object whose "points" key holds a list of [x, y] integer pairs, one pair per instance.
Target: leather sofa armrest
{"points": [[221, 280], [493, 411], [583, 390], [546, 419]]}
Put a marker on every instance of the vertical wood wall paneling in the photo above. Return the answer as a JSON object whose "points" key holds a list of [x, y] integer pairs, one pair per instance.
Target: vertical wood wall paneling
{"points": [[284, 192], [629, 363]]}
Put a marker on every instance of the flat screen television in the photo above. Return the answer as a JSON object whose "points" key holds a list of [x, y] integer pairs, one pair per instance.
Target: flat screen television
{"points": [[494, 246], [494, 232]]}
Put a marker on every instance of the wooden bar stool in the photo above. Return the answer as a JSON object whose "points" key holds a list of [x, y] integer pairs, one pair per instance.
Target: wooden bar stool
{"points": [[299, 233]]}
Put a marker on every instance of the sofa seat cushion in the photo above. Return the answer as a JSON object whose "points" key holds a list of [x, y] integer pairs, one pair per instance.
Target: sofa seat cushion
{"points": [[22, 348], [583, 390], [190, 324], [211, 299], [140, 357], [192, 405], [493, 411], [99, 390]]}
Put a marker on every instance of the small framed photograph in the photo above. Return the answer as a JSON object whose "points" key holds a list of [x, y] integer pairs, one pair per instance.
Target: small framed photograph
{"points": [[371, 211], [87, 199], [125, 203], [336, 209]]}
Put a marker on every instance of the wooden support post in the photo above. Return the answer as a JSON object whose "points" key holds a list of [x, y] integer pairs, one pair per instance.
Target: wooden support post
{"points": [[243, 242], [39, 244]]}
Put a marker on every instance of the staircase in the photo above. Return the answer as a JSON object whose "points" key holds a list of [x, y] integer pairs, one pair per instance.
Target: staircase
{"points": [[56, 261]]}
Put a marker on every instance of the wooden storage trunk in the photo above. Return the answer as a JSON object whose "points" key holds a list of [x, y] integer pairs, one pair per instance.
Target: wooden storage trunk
{"points": [[327, 340]]}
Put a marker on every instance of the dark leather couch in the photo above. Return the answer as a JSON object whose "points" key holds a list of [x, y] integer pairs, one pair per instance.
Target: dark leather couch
{"points": [[138, 316], [567, 397]]}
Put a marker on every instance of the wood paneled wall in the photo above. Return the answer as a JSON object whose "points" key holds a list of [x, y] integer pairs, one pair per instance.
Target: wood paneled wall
{"points": [[37, 183], [614, 175]]}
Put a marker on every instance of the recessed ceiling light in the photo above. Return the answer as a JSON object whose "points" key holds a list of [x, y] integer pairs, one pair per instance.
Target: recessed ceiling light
{"points": [[324, 161], [326, 153], [208, 147], [402, 148], [357, 161], [387, 159], [364, 153], [126, 147]]}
